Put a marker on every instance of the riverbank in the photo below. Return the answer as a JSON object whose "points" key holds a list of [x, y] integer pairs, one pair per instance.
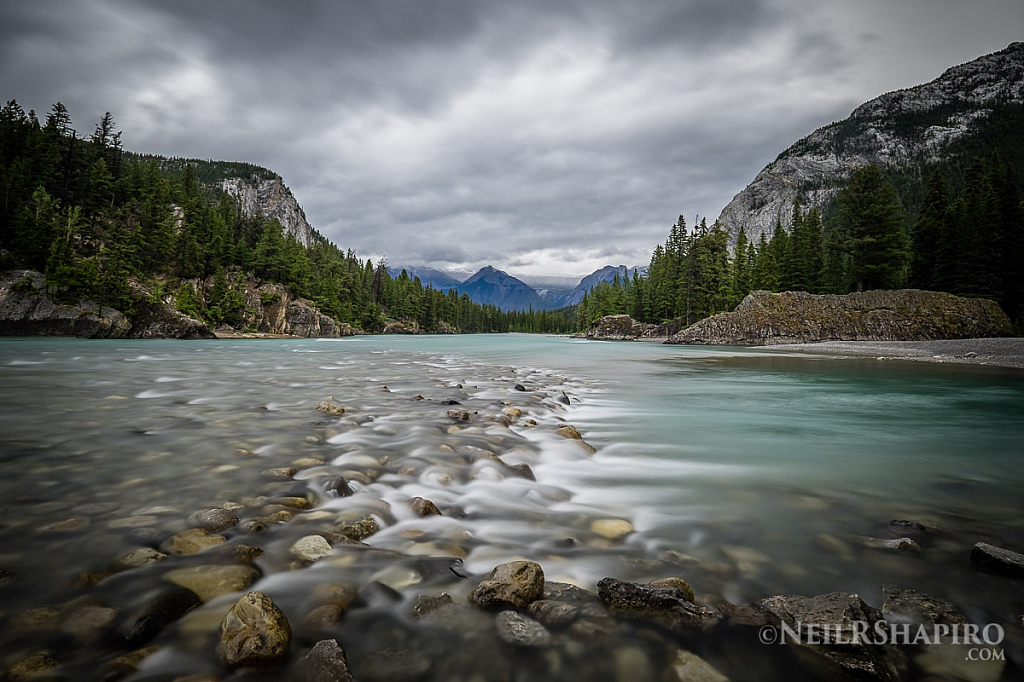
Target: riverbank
{"points": [[994, 352]]}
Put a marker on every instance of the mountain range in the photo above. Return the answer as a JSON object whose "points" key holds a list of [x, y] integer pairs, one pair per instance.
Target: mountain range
{"points": [[496, 287]]}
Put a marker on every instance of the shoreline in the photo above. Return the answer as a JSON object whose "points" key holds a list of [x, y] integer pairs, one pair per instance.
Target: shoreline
{"points": [[992, 352]]}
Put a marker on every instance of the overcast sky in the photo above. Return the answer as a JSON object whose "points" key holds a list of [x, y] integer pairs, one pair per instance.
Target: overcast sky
{"points": [[545, 138]]}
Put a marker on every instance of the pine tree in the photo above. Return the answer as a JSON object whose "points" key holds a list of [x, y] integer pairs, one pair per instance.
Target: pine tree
{"points": [[928, 235], [871, 221]]}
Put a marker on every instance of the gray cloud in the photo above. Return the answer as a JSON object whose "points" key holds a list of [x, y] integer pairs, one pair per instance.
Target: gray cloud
{"points": [[545, 138]]}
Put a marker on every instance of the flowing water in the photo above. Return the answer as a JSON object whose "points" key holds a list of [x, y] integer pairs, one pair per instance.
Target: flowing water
{"points": [[749, 473]]}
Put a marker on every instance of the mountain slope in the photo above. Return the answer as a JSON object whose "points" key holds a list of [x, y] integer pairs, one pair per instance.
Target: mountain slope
{"points": [[972, 109], [605, 274], [498, 288], [428, 277]]}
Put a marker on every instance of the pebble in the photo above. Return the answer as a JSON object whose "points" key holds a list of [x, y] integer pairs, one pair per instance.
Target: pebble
{"points": [[611, 529], [310, 548]]}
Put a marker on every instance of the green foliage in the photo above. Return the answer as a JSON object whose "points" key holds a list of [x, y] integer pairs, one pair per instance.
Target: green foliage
{"points": [[187, 300]]}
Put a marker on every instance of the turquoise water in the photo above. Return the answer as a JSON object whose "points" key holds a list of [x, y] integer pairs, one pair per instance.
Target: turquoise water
{"points": [[750, 473]]}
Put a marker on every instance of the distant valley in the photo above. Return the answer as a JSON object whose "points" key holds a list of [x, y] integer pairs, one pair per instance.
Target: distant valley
{"points": [[491, 286]]}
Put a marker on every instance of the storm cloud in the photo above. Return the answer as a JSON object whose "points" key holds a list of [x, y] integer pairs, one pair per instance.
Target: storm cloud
{"points": [[546, 138]]}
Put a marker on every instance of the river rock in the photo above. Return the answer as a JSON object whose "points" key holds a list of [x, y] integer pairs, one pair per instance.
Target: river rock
{"points": [[165, 608], [252, 526], [687, 666], [310, 548], [422, 507], [325, 662], [330, 407], [88, 621], [126, 664], [459, 415], [617, 328], [323, 617], [191, 541], [338, 486], [360, 529], [519, 630], [662, 606], [996, 559], [137, 558], [919, 607], [514, 584], [842, 611], [611, 529], [212, 581], [32, 667], [898, 544], [427, 604], [553, 614], [213, 520], [279, 473], [569, 431], [254, 633], [905, 526], [394, 665], [36, 619], [678, 583]]}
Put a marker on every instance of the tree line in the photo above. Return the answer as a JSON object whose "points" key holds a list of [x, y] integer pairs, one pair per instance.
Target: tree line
{"points": [[94, 218], [970, 244]]}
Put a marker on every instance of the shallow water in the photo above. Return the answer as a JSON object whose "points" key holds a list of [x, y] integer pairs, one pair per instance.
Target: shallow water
{"points": [[749, 473]]}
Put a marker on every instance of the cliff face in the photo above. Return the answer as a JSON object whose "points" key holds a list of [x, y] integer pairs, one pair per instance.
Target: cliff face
{"points": [[274, 309], [625, 328], [899, 128], [764, 318], [273, 200], [27, 310]]}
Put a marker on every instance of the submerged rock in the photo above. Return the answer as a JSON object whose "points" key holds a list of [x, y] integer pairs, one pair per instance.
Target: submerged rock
{"points": [[136, 558], [422, 507], [330, 407], [325, 662], [427, 604], [919, 607], [996, 559], [514, 584], [611, 529], [899, 544], [191, 541], [361, 529], [254, 633], [212, 581], [519, 630], [394, 665], [338, 486], [459, 415], [165, 608], [32, 667], [569, 431], [687, 666], [553, 614]]}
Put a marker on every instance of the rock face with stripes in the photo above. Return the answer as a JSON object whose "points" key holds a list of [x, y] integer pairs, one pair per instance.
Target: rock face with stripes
{"points": [[274, 201]]}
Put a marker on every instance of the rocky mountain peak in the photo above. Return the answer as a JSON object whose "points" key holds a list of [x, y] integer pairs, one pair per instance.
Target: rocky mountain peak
{"points": [[901, 128], [272, 199]]}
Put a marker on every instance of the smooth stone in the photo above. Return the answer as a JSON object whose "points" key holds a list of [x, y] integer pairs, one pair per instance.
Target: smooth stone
{"points": [[422, 507], [37, 619], [307, 462], [325, 662], [687, 666], [137, 558], [678, 583], [294, 502], [88, 621], [996, 559], [514, 584], [519, 630], [310, 548], [393, 665], [611, 529], [214, 520], [570, 432], [323, 617], [254, 633], [190, 541], [212, 581]]}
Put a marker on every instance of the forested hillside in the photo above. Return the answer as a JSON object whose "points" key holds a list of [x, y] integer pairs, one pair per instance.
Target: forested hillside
{"points": [[94, 217]]}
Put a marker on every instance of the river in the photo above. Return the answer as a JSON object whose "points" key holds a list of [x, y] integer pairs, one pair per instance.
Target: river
{"points": [[749, 473]]}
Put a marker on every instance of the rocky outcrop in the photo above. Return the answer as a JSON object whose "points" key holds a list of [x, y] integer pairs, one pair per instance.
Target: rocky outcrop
{"points": [[896, 129], [157, 318], [764, 318], [27, 310], [617, 328], [275, 309], [271, 199]]}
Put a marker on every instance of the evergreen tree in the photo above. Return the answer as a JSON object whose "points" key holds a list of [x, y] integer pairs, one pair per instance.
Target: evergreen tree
{"points": [[928, 235], [871, 221]]}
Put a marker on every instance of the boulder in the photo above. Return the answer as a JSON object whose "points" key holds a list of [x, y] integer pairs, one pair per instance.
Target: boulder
{"points": [[617, 328], [514, 584], [838, 649], [254, 633]]}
